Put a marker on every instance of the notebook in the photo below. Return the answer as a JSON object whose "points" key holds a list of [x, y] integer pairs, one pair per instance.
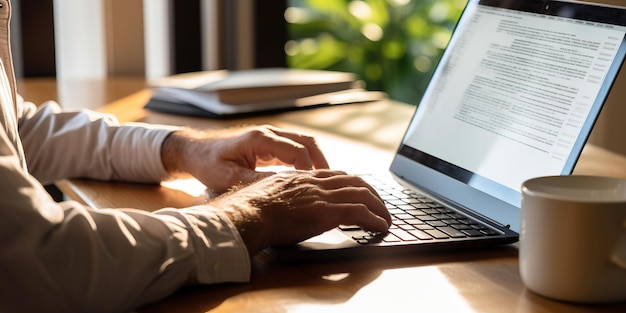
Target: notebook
{"points": [[514, 96]]}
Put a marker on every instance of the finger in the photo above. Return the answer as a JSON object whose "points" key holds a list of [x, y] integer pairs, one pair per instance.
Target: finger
{"points": [[325, 173], [343, 180], [363, 196], [331, 179], [329, 185], [361, 215], [282, 150], [317, 156]]}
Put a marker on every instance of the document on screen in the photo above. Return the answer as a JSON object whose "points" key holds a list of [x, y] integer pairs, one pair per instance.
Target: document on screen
{"points": [[517, 81]]}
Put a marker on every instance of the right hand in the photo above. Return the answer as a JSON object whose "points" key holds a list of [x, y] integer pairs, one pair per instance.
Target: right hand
{"points": [[289, 207]]}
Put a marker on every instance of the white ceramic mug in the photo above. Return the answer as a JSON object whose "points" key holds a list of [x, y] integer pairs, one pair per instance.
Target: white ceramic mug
{"points": [[573, 238]]}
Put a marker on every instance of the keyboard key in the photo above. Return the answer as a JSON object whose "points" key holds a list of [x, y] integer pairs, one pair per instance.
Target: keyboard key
{"points": [[402, 234], [390, 206], [401, 195], [391, 238], [427, 218], [395, 202], [414, 221], [472, 232], [436, 233], [452, 232], [411, 200], [430, 211], [449, 221], [406, 227], [424, 227], [435, 205], [349, 227], [420, 234], [415, 212], [420, 205], [395, 211], [440, 216], [386, 196], [397, 224], [461, 226], [404, 216], [369, 238], [358, 234], [436, 223]]}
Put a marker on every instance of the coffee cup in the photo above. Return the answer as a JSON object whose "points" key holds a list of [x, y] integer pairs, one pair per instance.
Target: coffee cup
{"points": [[573, 238]]}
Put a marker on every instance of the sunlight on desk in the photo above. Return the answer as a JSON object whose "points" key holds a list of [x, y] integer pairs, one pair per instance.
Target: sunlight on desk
{"points": [[190, 186], [424, 289]]}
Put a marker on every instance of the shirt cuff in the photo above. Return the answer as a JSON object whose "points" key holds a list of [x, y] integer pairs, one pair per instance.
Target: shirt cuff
{"points": [[143, 163], [221, 253]]}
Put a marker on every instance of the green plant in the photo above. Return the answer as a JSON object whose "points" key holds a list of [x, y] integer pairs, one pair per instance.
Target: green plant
{"points": [[392, 45]]}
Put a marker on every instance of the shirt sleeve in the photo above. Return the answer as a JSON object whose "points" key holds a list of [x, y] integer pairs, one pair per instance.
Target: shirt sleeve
{"points": [[64, 257], [62, 144]]}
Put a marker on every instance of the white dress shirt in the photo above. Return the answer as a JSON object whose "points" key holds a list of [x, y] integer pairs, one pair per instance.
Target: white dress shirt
{"points": [[65, 257]]}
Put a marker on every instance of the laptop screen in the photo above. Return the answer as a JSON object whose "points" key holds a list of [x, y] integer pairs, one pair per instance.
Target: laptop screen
{"points": [[517, 92]]}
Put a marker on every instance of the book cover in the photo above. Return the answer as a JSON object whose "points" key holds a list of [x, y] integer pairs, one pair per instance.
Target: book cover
{"points": [[258, 85], [222, 93]]}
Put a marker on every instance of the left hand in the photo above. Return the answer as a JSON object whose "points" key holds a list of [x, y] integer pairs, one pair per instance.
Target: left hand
{"points": [[221, 159]]}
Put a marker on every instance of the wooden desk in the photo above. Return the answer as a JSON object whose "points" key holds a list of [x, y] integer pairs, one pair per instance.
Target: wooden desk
{"points": [[481, 281]]}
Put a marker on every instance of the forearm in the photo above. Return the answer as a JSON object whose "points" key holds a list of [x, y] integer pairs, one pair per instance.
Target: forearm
{"points": [[61, 144]]}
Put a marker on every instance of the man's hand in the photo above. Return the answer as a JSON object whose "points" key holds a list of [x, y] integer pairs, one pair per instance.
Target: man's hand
{"points": [[221, 159], [292, 206]]}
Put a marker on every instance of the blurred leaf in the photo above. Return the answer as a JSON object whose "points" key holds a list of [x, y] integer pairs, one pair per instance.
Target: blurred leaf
{"points": [[393, 45]]}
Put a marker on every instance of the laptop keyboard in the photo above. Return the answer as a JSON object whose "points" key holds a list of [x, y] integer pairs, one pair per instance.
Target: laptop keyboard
{"points": [[417, 217]]}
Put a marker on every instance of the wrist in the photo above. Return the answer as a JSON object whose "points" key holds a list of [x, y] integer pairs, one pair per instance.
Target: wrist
{"points": [[247, 219], [172, 153]]}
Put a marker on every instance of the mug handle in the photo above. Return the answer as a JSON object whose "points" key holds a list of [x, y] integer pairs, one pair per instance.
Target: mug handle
{"points": [[618, 260]]}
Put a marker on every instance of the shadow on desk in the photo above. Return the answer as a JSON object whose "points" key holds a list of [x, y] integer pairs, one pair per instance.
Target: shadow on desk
{"points": [[343, 286]]}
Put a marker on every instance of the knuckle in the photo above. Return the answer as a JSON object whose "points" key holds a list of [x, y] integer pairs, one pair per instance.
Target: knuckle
{"points": [[257, 132], [362, 191], [309, 138]]}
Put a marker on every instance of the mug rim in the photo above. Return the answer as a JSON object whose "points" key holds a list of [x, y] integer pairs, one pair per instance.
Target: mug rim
{"points": [[580, 188]]}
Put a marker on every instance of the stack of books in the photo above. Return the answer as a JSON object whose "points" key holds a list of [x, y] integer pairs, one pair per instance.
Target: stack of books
{"points": [[225, 93]]}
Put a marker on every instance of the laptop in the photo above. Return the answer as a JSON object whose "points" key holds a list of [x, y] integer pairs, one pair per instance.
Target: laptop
{"points": [[514, 96]]}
